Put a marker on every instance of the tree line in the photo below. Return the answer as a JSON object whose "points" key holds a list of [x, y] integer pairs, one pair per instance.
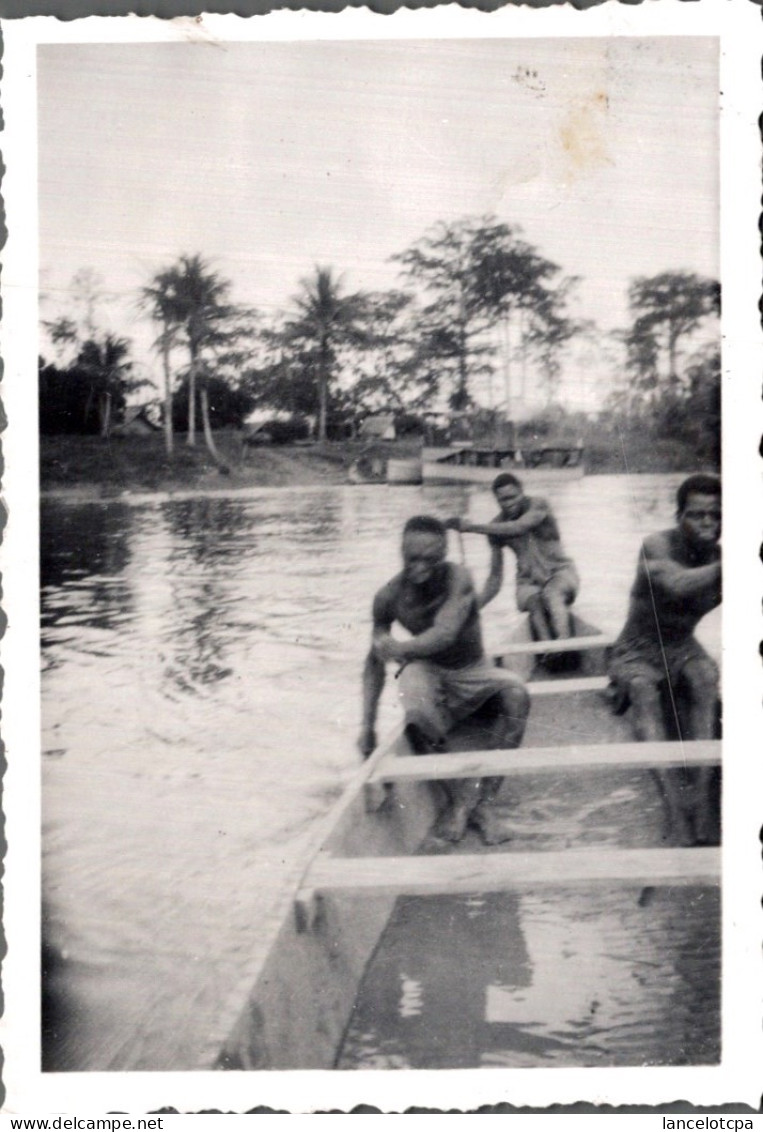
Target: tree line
{"points": [[476, 301], [673, 385]]}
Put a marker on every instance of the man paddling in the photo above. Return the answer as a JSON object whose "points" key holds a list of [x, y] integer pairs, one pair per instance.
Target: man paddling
{"points": [[657, 666], [547, 581], [443, 674]]}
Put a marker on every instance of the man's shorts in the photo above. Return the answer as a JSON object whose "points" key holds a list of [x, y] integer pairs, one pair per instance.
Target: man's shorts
{"points": [[444, 696], [653, 663], [564, 582]]}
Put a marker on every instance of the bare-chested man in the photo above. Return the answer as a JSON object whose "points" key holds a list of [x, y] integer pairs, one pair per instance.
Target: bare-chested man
{"points": [[445, 675], [658, 667], [547, 581]]}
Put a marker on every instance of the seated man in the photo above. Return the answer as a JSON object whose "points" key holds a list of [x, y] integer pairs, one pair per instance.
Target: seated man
{"points": [[444, 675], [547, 582], [657, 666]]}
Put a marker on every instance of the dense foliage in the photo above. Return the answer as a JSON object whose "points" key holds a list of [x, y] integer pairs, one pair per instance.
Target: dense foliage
{"points": [[673, 362], [227, 406], [477, 275], [88, 394], [477, 301]]}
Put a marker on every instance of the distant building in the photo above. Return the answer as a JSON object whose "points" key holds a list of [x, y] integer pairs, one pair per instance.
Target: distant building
{"points": [[380, 426], [136, 422], [476, 426]]}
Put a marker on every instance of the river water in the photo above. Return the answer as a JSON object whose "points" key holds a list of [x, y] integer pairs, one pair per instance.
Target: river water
{"points": [[201, 661]]}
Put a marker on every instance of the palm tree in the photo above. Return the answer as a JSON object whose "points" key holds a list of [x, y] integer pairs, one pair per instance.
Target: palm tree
{"points": [[201, 295], [63, 333], [189, 296], [107, 366], [159, 300], [326, 319]]}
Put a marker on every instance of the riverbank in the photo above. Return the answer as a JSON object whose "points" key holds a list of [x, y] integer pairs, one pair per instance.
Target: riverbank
{"points": [[108, 467], [90, 466]]}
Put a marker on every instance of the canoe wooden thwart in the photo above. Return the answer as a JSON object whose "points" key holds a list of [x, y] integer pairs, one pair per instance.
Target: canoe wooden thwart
{"points": [[568, 687], [492, 872], [540, 760], [568, 644], [382, 841]]}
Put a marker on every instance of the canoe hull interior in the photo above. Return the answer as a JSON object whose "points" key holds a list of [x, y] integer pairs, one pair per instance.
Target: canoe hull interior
{"points": [[302, 984], [304, 987], [304, 990]]}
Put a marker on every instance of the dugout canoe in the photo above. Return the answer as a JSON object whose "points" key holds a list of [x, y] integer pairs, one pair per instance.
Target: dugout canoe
{"points": [[535, 465], [310, 956], [379, 469]]}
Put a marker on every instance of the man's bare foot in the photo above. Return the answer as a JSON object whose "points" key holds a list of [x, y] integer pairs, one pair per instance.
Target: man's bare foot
{"points": [[489, 826], [452, 825]]}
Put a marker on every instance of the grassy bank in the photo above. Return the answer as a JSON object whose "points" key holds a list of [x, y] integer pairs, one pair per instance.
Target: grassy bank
{"points": [[617, 451], [90, 464], [139, 463], [608, 453]]}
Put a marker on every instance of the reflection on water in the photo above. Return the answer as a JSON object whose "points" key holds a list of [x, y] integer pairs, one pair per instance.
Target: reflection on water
{"points": [[200, 706], [558, 978]]}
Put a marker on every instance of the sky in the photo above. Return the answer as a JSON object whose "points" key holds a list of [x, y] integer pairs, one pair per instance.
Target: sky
{"points": [[269, 158]]}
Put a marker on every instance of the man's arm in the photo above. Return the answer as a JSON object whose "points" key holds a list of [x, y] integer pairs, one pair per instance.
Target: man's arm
{"points": [[506, 528], [374, 675], [448, 622], [494, 580], [672, 579]]}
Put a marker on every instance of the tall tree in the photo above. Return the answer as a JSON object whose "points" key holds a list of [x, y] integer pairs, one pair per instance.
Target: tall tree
{"points": [[63, 333], [444, 263], [549, 331], [158, 299], [282, 377], [666, 309], [672, 360], [87, 292], [86, 297], [108, 368], [523, 288], [193, 299], [478, 274], [97, 361], [326, 318], [387, 369], [86, 395], [704, 400]]}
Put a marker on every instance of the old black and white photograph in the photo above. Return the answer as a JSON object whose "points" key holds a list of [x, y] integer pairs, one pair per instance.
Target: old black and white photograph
{"points": [[378, 400]]}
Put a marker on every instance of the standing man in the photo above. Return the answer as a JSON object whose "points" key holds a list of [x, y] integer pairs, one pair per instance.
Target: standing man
{"points": [[547, 581], [444, 675], [658, 667]]}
